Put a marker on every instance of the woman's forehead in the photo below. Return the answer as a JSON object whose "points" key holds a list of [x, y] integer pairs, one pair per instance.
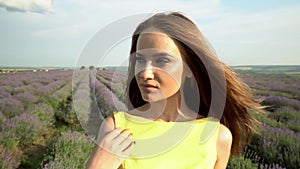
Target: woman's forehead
{"points": [[157, 41]]}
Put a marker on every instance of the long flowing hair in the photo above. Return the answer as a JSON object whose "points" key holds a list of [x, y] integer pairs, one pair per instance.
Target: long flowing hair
{"points": [[195, 49]]}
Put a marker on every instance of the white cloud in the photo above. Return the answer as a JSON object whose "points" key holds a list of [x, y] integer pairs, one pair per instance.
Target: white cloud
{"points": [[37, 6]]}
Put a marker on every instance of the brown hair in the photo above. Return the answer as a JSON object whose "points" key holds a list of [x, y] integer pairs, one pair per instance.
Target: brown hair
{"points": [[200, 58]]}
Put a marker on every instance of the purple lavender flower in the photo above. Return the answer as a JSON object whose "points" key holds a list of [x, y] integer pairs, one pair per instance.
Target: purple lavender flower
{"points": [[26, 127], [10, 158], [114, 80], [27, 88], [63, 92], [66, 146], [286, 86], [112, 75], [2, 119], [279, 101], [26, 98], [12, 80], [4, 94], [280, 145], [294, 124], [271, 166], [37, 84], [44, 112], [11, 107], [108, 101], [54, 165]]}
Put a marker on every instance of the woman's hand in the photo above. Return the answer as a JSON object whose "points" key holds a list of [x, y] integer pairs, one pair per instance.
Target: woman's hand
{"points": [[118, 143], [114, 145]]}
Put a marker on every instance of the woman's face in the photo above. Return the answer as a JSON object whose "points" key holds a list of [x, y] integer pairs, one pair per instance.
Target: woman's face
{"points": [[159, 66]]}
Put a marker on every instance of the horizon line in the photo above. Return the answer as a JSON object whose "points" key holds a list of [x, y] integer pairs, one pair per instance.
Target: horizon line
{"points": [[127, 66]]}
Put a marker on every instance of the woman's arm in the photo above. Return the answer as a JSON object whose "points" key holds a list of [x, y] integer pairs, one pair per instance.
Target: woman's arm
{"points": [[114, 145], [223, 147]]}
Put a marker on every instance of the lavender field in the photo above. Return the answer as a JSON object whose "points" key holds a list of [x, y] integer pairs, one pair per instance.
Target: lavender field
{"points": [[47, 119]]}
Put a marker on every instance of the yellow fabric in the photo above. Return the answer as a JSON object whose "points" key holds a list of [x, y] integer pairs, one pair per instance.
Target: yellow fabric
{"points": [[170, 145]]}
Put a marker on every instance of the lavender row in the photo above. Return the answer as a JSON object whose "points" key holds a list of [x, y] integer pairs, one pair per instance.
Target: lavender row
{"points": [[26, 115], [12, 105], [16, 133], [83, 104], [39, 83], [36, 79], [71, 150], [113, 75], [106, 99], [281, 85], [275, 102], [15, 99], [278, 146], [118, 88]]}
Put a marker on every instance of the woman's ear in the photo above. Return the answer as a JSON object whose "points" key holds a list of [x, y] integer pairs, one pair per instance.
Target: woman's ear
{"points": [[187, 73]]}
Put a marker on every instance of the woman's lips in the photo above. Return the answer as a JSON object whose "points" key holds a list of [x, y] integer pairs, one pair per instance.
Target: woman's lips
{"points": [[148, 87]]}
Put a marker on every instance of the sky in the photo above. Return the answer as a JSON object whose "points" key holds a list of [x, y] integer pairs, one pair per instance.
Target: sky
{"points": [[56, 32]]}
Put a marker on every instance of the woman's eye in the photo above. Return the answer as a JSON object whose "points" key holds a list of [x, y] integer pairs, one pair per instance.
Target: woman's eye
{"points": [[163, 60], [140, 60]]}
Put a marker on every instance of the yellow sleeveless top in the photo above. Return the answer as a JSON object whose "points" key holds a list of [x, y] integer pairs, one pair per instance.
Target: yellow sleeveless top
{"points": [[170, 145]]}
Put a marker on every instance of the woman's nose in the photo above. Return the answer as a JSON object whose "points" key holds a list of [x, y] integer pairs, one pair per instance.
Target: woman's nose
{"points": [[147, 73]]}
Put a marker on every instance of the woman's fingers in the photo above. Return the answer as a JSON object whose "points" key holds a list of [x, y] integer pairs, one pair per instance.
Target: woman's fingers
{"points": [[126, 143], [129, 149], [123, 135], [112, 135], [118, 142]]}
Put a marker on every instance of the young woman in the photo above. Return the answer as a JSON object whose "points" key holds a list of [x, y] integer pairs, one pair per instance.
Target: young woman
{"points": [[186, 108]]}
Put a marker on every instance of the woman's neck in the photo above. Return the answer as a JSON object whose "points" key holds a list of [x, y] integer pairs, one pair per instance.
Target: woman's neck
{"points": [[171, 109]]}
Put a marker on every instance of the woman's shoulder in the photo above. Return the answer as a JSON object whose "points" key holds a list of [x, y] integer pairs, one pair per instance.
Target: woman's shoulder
{"points": [[223, 146], [225, 136], [110, 121], [224, 141], [118, 119]]}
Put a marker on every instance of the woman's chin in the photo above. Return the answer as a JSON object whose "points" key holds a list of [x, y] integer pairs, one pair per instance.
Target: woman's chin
{"points": [[150, 98]]}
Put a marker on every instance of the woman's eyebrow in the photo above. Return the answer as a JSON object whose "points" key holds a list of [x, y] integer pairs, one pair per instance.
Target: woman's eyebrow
{"points": [[157, 54], [162, 54], [138, 54]]}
